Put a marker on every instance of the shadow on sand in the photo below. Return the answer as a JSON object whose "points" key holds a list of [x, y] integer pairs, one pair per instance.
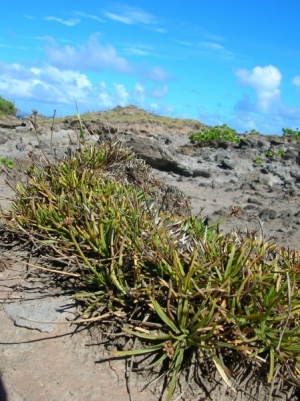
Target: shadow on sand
{"points": [[3, 396]]}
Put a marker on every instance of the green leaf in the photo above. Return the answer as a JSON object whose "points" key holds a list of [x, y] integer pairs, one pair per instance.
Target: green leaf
{"points": [[163, 315], [177, 366], [145, 336], [140, 351]]}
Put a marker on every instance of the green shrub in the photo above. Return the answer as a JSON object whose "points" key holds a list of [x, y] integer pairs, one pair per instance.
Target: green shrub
{"points": [[275, 153], [290, 133], [252, 132], [7, 108], [218, 133]]}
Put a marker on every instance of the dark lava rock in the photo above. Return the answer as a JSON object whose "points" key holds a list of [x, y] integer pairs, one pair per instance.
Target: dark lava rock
{"points": [[255, 201], [227, 164], [268, 214], [202, 173]]}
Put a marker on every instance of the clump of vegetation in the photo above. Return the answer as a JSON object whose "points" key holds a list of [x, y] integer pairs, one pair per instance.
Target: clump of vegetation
{"points": [[275, 153], [188, 293], [7, 108], [252, 132], [218, 133], [290, 133], [6, 162], [259, 160], [270, 154]]}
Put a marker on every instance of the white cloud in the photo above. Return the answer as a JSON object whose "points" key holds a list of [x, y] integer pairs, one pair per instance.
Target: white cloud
{"points": [[106, 100], [92, 56], [131, 15], [43, 85], [138, 93], [121, 94], [70, 22], [265, 81], [45, 88]]}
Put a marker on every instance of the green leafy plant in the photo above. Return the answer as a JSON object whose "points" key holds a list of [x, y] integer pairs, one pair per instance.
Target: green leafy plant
{"points": [[7, 108], [217, 133], [275, 153], [290, 133], [224, 300], [258, 160], [6, 162]]}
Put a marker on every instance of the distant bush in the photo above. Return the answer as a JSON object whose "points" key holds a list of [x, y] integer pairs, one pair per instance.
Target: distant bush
{"points": [[291, 133], [275, 153], [252, 132], [217, 133], [7, 107]]}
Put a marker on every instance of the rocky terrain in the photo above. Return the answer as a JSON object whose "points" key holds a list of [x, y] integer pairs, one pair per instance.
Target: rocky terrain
{"points": [[215, 177], [38, 362]]}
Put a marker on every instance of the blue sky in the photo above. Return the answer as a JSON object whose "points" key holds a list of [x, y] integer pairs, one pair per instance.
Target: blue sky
{"points": [[218, 61]]}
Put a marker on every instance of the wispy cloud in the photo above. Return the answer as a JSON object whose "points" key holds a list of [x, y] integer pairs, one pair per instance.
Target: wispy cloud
{"points": [[135, 51], [212, 46], [91, 16], [5, 46], [215, 49], [185, 43], [70, 22], [119, 18], [131, 15], [208, 49]]}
